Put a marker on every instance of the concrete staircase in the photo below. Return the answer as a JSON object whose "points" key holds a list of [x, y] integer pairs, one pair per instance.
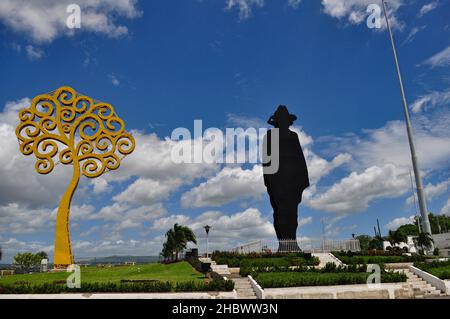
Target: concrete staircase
{"points": [[243, 287], [221, 269], [326, 258], [420, 288]]}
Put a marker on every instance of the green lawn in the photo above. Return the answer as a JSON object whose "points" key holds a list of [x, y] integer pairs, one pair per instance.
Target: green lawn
{"points": [[177, 272]]}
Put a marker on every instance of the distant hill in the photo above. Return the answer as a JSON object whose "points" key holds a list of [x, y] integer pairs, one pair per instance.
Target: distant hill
{"points": [[117, 260]]}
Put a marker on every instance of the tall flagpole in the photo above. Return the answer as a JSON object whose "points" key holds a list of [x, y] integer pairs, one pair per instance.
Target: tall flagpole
{"points": [[419, 185], [415, 203]]}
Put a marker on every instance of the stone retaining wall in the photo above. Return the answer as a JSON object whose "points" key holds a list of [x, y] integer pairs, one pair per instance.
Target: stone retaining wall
{"points": [[386, 291]]}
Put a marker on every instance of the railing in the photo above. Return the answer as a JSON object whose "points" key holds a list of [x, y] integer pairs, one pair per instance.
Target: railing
{"points": [[297, 245]]}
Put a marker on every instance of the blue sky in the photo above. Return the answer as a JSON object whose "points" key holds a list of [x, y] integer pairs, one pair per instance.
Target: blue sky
{"points": [[163, 64]]}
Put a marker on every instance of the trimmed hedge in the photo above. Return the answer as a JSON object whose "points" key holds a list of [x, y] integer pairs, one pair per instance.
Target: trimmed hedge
{"points": [[440, 269], [226, 254], [265, 260], [376, 257], [329, 268], [114, 287], [302, 279]]}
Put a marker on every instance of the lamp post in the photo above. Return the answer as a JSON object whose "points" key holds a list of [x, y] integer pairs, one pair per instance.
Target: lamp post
{"points": [[419, 185], [207, 228]]}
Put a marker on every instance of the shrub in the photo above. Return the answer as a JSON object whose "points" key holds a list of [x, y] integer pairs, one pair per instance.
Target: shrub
{"points": [[265, 259], [298, 279], [330, 267], [115, 287], [436, 252], [198, 265], [440, 269], [376, 257]]}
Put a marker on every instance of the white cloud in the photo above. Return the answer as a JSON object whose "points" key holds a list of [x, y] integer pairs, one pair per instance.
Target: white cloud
{"points": [[430, 100], [90, 231], [45, 20], [333, 231], [230, 184], [152, 159], [20, 183], [354, 11], [227, 230], [147, 191], [20, 219], [389, 143], [165, 223], [82, 212], [441, 58], [236, 120], [426, 8], [34, 53], [120, 212], [412, 34], [397, 222], [355, 192], [431, 191], [100, 185], [319, 167], [294, 3], [305, 221], [12, 246], [114, 80], [244, 7]]}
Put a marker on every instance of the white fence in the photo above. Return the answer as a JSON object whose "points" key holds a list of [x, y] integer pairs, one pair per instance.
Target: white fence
{"points": [[296, 245]]}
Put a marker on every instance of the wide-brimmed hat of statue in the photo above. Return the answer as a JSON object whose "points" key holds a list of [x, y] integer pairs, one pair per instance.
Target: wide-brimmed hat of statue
{"points": [[281, 114]]}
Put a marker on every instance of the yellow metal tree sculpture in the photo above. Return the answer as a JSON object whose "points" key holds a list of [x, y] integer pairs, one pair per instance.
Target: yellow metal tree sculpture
{"points": [[75, 130]]}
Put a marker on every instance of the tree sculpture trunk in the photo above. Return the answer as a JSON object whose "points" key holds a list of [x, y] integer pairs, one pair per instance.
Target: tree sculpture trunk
{"points": [[63, 249]]}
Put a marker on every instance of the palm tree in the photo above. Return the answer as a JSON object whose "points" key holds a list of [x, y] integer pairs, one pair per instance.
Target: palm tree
{"points": [[424, 240], [177, 239]]}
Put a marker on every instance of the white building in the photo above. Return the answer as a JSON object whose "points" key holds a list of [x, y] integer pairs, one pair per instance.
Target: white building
{"points": [[409, 245]]}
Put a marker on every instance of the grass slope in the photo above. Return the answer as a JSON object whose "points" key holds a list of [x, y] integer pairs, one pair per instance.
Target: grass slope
{"points": [[177, 272]]}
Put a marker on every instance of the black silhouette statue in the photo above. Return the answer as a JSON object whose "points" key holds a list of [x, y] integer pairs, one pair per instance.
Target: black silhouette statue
{"points": [[286, 185]]}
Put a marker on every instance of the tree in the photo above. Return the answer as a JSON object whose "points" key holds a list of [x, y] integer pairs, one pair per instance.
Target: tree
{"points": [[364, 241], [439, 223], [78, 131], [42, 255], [424, 241], [26, 260], [177, 239], [409, 229], [376, 243], [396, 237]]}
